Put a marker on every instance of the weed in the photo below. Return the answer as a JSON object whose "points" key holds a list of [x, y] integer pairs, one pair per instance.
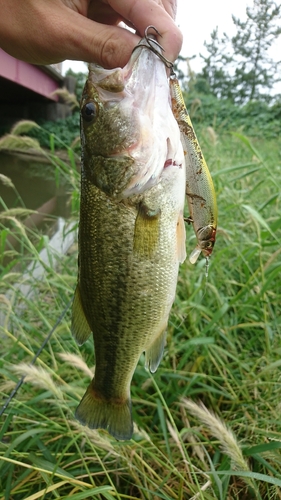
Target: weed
{"points": [[207, 424]]}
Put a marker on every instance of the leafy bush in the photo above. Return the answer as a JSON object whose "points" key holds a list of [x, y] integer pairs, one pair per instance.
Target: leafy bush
{"points": [[256, 118], [80, 81], [65, 130]]}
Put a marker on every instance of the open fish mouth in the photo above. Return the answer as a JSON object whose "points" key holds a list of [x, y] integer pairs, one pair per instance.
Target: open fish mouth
{"points": [[137, 99]]}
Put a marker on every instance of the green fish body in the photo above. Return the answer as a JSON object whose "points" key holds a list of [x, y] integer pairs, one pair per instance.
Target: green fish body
{"points": [[131, 231]]}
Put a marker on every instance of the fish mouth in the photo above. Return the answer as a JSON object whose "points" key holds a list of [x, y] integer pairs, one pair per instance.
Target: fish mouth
{"points": [[116, 80], [139, 91]]}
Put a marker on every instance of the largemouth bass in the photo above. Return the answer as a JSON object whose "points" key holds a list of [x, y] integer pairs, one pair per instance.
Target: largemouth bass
{"points": [[131, 232]]}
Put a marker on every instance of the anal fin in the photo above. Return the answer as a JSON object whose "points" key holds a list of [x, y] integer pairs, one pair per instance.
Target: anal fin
{"points": [[154, 353], [79, 325], [181, 237]]}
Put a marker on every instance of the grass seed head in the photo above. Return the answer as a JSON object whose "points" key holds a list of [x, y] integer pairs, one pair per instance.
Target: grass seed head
{"points": [[39, 377], [220, 431], [23, 126], [76, 361], [6, 181], [11, 142]]}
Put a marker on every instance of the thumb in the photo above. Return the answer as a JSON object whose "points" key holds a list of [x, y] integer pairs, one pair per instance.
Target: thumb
{"points": [[57, 33], [80, 38]]}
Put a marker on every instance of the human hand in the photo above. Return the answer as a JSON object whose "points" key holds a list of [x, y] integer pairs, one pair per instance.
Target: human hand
{"points": [[49, 31]]}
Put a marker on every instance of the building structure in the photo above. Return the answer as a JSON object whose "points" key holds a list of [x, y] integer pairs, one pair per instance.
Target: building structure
{"points": [[27, 91]]}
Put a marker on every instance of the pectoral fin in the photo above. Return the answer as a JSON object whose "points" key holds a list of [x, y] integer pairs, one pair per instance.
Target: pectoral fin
{"points": [[79, 325], [146, 237]]}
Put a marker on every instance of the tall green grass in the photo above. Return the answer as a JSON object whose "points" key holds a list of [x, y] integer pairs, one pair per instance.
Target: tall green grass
{"points": [[207, 424]]}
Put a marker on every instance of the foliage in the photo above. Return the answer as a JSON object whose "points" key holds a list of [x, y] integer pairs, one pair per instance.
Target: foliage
{"points": [[223, 350], [65, 130], [239, 68], [181, 75], [80, 81], [256, 118]]}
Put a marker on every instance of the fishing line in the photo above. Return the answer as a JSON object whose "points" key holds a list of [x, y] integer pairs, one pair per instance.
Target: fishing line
{"points": [[21, 381]]}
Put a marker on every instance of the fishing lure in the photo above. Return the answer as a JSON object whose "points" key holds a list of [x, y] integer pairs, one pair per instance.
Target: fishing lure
{"points": [[200, 192]]}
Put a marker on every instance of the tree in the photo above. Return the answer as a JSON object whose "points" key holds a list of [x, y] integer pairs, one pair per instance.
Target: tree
{"points": [[240, 68], [215, 74]]}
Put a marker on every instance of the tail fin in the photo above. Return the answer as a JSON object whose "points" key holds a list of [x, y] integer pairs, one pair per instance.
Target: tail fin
{"points": [[114, 416]]}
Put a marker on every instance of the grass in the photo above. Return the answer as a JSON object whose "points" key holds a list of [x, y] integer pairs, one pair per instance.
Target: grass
{"points": [[207, 424]]}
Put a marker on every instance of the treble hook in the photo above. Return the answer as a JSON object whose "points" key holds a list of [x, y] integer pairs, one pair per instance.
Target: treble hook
{"points": [[150, 42]]}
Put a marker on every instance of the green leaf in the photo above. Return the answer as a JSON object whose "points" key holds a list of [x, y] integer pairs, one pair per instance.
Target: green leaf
{"points": [[93, 492], [41, 463], [262, 448], [248, 143], [252, 475], [256, 215], [52, 143]]}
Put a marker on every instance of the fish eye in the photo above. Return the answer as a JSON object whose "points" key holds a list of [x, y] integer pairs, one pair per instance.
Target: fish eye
{"points": [[89, 111]]}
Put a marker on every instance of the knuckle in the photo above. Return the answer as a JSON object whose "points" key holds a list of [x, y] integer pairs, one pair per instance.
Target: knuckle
{"points": [[114, 52], [108, 52]]}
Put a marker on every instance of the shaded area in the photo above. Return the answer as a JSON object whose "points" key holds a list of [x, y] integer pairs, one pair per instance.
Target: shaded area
{"points": [[26, 91], [31, 184]]}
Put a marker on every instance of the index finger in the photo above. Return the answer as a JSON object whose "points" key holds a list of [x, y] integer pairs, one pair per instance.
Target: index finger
{"points": [[143, 14]]}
